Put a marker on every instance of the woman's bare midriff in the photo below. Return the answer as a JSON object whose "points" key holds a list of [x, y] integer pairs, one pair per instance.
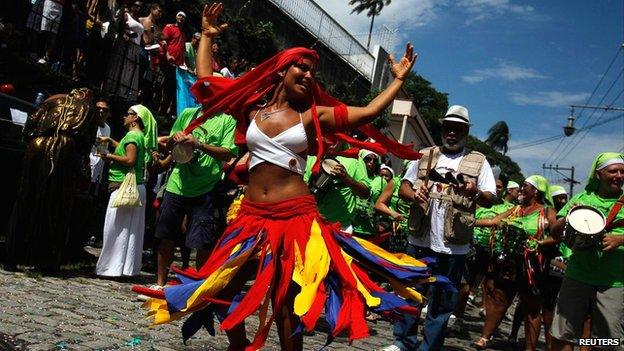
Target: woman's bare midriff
{"points": [[271, 183]]}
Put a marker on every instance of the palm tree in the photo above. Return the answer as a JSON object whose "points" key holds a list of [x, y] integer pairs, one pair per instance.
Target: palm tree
{"points": [[498, 136], [373, 7]]}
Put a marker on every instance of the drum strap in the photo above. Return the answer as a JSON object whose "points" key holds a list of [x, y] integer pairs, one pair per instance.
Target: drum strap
{"points": [[611, 223]]}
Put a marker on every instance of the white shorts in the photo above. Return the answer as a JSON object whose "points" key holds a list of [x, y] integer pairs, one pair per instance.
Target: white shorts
{"points": [[51, 16]]}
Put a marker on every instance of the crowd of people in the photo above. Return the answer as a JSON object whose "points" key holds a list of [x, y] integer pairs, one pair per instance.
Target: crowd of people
{"points": [[265, 182], [123, 48]]}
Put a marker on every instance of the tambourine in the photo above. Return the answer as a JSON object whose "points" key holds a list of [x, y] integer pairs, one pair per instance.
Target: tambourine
{"points": [[325, 178], [182, 152]]}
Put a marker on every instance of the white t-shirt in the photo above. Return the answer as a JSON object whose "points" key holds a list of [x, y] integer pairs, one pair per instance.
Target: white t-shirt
{"points": [[97, 163], [435, 239]]}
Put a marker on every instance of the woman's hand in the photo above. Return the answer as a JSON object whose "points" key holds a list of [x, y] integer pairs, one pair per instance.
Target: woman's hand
{"points": [[210, 27], [397, 217], [401, 69]]}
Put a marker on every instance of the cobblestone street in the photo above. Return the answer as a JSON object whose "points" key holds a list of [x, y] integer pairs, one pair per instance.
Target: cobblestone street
{"points": [[76, 311]]}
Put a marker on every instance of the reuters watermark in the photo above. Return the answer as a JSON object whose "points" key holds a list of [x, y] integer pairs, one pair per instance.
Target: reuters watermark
{"points": [[600, 342]]}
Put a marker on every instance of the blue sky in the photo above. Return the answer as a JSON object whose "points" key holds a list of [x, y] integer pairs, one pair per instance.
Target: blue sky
{"points": [[523, 62]]}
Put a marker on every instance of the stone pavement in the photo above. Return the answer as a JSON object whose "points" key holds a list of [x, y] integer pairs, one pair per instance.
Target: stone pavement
{"points": [[76, 311]]}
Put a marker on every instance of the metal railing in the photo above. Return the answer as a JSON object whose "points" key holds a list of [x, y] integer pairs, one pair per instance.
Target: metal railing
{"points": [[322, 26]]}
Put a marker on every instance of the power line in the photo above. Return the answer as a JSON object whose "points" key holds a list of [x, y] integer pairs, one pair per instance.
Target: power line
{"points": [[594, 125], [572, 144], [556, 137], [591, 96], [536, 142]]}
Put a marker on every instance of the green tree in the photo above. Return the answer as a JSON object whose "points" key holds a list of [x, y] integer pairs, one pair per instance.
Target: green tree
{"points": [[498, 136], [373, 8], [431, 103], [432, 106]]}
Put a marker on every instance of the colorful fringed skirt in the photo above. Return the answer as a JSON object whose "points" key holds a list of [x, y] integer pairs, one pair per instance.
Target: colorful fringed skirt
{"points": [[289, 243]]}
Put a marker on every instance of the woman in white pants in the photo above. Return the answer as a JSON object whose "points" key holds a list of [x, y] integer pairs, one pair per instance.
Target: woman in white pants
{"points": [[124, 227]]}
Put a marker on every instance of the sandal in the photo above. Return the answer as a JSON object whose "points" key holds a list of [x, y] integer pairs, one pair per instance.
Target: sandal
{"points": [[482, 343]]}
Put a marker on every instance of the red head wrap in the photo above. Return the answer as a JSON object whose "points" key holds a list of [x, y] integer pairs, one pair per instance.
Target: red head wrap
{"points": [[235, 96]]}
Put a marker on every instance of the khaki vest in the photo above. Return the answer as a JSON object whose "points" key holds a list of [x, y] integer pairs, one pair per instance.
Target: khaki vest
{"points": [[459, 218]]}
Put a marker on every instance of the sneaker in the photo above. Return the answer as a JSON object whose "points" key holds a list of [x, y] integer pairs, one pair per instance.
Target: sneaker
{"points": [[424, 310], [42, 61], [390, 348], [156, 287]]}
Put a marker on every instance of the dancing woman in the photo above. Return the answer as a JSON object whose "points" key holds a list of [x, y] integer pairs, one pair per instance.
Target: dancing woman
{"points": [[518, 269], [298, 260]]}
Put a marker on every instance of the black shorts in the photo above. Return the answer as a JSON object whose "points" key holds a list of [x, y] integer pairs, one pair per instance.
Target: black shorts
{"points": [[203, 228]]}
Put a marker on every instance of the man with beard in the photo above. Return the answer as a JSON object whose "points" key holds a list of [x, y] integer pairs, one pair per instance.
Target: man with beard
{"points": [[442, 217]]}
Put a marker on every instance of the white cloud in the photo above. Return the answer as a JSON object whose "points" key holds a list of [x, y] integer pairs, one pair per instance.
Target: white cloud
{"points": [[548, 98], [478, 10], [403, 14], [504, 70], [530, 159]]}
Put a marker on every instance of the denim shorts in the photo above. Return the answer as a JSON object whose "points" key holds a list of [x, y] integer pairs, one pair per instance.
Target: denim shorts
{"points": [[203, 227]]}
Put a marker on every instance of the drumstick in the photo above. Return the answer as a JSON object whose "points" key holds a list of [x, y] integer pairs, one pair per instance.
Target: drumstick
{"points": [[428, 167]]}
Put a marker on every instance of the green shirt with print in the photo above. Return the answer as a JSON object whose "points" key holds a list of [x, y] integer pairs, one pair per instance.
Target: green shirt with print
{"points": [[364, 221], [117, 171], [482, 234], [338, 203], [200, 175], [594, 266]]}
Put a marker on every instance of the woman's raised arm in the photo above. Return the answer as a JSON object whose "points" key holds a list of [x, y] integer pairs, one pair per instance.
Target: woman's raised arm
{"points": [[210, 29], [362, 115]]}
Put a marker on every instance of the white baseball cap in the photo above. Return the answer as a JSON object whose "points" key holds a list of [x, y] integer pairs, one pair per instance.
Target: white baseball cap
{"points": [[181, 13]]}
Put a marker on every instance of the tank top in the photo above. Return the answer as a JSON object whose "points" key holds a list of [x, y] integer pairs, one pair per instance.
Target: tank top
{"points": [[281, 150]]}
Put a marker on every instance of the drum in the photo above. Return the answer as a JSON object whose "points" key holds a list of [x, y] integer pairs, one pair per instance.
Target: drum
{"points": [[182, 152], [324, 178], [514, 240], [584, 228]]}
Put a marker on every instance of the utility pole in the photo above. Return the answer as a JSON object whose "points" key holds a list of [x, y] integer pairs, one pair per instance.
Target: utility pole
{"points": [[566, 179]]}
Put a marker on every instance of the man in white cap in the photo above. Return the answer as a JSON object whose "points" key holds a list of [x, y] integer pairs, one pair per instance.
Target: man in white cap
{"points": [[441, 221]]}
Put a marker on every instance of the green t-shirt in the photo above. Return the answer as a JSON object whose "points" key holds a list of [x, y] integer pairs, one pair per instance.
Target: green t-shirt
{"points": [[117, 171], [482, 234], [364, 220], [399, 205], [596, 267], [200, 175], [338, 203]]}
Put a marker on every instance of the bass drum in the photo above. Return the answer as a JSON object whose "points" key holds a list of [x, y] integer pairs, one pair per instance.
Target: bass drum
{"points": [[584, 228]]}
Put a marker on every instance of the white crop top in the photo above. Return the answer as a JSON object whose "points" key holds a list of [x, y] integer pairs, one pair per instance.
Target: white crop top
{"points": [[282, 150]]}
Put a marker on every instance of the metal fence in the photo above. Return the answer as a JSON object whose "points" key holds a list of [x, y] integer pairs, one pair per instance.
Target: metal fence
{"points": [[322, 26]]}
